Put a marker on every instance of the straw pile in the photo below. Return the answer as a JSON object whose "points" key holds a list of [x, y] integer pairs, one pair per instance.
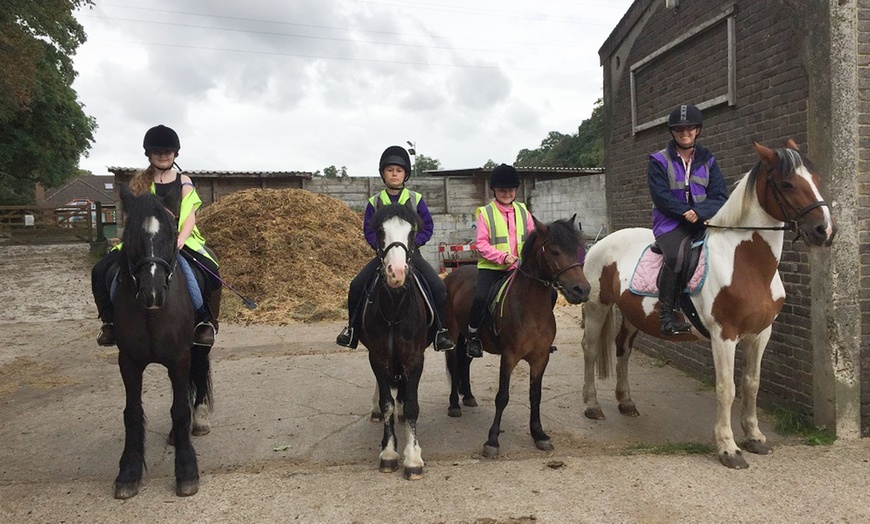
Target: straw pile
{"points": [[292, 251]]}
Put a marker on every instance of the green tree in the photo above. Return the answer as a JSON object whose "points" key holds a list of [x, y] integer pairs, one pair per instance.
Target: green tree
{"points": [[43, 128], [333, 172], [583, 149], [490, 164], [424, 163]]}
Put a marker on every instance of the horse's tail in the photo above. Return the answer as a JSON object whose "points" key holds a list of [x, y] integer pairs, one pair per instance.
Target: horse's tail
{"points": [[605, 339]]}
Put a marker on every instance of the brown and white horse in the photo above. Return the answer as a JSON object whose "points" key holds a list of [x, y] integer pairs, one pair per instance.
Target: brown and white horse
{"points": [[741, 296]]}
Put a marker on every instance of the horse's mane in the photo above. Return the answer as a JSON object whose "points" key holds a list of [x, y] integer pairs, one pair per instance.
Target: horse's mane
{"points": [[788, 160], [395, 210], [139, 209], [562, 233]]}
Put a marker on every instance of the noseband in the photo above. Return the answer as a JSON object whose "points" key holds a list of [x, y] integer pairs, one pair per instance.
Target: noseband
{"points": [[782, 202], [554, 278], [170, 268]]}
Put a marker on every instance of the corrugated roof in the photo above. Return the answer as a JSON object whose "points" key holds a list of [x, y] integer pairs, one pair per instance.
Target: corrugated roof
{"points": [[544, 171], [213, 173]]}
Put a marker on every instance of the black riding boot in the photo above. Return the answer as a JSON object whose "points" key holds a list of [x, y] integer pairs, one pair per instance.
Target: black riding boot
{"points": [[347, 338], [107, 332], [473, 347], [206, 329], [668, 282]]}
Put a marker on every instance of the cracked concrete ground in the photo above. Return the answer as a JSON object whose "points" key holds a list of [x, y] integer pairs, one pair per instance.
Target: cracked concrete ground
{"points": [[291, 438]]}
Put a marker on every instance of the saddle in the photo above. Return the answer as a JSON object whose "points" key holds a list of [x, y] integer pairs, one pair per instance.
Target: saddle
{"points": [[644, 280], [194, 276], [417, 281], [494, 301]]}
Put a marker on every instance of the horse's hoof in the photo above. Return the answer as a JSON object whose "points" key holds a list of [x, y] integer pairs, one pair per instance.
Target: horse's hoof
{"points": [[544, 445], [388, 466], [758, 447], [377, 417], [469, 401], [629, 410], [454, 412], [126, 490], [187, 488], [733, 460], [490, 451], [594, 413], [200, 431], [415, 473]]}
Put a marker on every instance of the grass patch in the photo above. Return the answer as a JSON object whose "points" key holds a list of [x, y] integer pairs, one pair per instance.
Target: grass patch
{"points": [[670, 448], [792, 423]]}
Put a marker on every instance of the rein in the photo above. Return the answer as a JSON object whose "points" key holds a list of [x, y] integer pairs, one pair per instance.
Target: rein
{"points": [[554, 279], [791, 223]]}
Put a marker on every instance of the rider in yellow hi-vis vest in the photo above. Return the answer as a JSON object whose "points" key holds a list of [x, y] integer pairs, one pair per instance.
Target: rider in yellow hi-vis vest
{"points": [[502, 227], [161, 147], [395, 169]]}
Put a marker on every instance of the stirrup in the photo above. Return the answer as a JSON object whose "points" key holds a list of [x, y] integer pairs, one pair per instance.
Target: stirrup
{"points": [[676, 328], [203, 334], [442, 341], [473, 347], [107, 335], [345, 338]]}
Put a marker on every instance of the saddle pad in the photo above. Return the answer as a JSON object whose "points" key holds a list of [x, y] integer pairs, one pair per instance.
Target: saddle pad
{"points": [[644, 281]]}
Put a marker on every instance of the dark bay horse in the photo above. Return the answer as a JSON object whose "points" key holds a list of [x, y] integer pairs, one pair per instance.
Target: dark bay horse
{"points": [[396, 331], [739, 300], [552, 257], [154, 322]]}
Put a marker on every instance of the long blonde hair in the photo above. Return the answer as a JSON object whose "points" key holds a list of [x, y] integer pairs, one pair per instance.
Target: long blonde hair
{"points": [[141, 181]]}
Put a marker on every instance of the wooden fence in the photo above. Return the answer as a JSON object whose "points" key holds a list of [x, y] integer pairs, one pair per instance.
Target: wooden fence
{"points": [[47, 225]]}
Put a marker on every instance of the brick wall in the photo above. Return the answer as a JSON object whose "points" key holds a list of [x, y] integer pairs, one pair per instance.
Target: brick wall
{"points": [[771, 106]]}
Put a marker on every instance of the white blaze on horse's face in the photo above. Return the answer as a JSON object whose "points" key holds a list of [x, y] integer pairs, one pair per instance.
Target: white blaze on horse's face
{"points": [[805, 174], [395, 258], [151, 226]]}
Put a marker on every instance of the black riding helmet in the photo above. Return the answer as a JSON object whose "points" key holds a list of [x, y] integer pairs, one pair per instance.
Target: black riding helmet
{"points": [[395, 155], [161, 137], [504, 176], [685, 115]]}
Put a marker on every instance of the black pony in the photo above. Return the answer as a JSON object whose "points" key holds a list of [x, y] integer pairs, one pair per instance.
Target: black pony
{"points": [[395, 330], [154, 322]]}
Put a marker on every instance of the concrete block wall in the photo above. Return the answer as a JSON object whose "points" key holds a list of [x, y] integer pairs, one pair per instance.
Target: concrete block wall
{"points": [[451, 200], [558, 199]]}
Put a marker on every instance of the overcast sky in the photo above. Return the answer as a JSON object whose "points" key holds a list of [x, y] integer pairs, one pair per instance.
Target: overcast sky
{"points": [[300, 85]]}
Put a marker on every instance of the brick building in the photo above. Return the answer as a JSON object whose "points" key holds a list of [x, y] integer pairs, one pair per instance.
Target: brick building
{"points": [[762, 70]]}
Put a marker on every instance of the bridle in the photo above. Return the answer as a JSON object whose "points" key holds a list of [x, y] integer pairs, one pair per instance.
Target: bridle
{"points": [[554, 277], [791, 222], [169, 267]]}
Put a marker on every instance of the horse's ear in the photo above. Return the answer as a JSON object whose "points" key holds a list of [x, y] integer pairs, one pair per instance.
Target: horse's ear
{"points": [[539, 226], [768, 156], [573, 218], [127, 197], [791, 144]]}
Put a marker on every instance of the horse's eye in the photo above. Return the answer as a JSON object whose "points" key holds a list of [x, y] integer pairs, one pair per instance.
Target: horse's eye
{"points": [[787, 185]]}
